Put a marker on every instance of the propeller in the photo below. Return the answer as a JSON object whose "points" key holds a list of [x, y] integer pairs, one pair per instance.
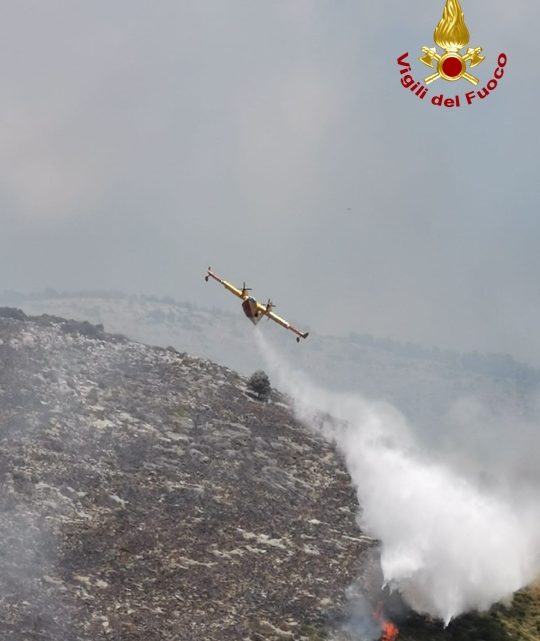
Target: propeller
{"points": [[245, 289]]}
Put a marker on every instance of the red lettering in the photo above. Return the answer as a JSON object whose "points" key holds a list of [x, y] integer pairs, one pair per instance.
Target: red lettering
{"points": [[440, 100], [407, 81], [401, 61]]}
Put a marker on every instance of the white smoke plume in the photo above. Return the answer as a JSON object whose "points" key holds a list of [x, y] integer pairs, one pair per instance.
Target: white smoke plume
{"points": [[451, 542]]}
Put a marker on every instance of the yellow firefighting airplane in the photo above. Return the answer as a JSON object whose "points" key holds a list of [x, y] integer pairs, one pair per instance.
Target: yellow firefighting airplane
{"points": [[254, 310]]}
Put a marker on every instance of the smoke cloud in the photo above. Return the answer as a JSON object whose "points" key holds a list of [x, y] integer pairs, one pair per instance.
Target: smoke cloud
{"points": [[452, 540]]}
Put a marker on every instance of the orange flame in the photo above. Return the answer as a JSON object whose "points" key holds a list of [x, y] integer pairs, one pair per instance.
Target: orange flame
{"points": [[389, 630]]}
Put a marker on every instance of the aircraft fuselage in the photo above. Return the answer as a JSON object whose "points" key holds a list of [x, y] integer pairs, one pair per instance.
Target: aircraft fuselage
{"points": [[251, 310]]}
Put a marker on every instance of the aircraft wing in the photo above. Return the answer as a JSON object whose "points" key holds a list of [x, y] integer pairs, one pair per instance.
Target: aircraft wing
{"points": [[234, 290], [281, 321]]}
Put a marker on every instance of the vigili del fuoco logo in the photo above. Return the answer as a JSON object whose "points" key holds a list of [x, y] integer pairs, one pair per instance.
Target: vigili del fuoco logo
{"points": [[452, 63]]}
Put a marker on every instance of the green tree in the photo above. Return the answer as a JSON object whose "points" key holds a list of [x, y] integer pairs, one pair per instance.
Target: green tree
{"points": [[260, 384]]}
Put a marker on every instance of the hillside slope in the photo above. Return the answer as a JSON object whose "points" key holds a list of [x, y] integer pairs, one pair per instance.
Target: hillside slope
{"points": [[145, 496], [423, 383]]}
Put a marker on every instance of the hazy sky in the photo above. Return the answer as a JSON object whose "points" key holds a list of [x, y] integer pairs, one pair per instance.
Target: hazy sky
{"points": [[143, 141]]}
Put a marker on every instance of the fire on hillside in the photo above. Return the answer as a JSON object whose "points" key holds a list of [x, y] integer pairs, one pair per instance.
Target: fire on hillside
{"points": [[389, 631]]}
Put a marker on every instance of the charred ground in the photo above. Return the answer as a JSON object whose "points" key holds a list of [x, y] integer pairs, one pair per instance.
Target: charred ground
{"points": [[145, 495]]}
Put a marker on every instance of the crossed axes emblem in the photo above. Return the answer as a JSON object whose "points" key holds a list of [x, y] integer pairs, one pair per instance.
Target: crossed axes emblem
{"points": [[430, 55]]}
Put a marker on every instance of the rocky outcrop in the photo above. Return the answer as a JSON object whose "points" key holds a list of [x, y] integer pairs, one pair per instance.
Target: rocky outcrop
{"points": [[145, 496]]}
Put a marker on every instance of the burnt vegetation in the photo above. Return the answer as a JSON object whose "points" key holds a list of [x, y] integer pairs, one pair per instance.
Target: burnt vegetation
{"points": [[144, 497]]}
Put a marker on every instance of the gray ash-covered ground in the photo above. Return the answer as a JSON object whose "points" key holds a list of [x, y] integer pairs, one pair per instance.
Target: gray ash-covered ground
{"points": [[144, 496]]}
